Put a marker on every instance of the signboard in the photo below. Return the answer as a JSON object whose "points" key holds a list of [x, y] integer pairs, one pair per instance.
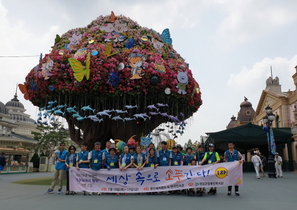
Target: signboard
{"points": [[158, 179]]}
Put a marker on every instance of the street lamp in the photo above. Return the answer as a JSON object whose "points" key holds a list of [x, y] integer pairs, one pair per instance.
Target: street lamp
{"points": [[268, 119]]}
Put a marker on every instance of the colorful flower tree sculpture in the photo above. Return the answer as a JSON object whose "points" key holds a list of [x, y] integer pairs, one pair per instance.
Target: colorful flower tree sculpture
{"points": [[113, 79]]}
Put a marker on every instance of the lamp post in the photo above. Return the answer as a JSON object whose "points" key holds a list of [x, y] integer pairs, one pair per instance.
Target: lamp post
{"points": [[267, 120]]}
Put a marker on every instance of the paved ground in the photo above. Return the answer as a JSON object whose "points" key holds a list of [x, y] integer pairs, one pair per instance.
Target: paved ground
{"points": [[256, 194]]}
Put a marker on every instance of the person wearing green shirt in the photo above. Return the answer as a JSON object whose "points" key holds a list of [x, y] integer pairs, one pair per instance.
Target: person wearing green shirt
{"points": [[211, 157]]}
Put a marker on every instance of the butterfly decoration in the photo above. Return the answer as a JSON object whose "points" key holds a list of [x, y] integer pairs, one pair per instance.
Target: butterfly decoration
{"points": [[79, 71], [112, 17], [166, 36], [107, 53], [24, 90], [130, 43]]}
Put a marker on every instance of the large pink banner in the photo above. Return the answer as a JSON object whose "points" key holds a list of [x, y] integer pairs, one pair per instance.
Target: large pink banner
{"points": [[149, 179]]}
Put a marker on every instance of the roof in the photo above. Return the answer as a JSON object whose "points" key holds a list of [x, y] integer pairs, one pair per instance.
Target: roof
{"points": [[250, 133], [3, 108], [15, 102]]}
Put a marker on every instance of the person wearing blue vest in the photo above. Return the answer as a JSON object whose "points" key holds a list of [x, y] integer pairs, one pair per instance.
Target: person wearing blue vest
{"points": [[70, 162], [96, 159], [60, 157], [188, 157], [111, 160], [125, 161], [200, 154], [165, 155], [152, 159], [107, 147], [151, 146], [176, 157], [211, 157], [82, 160], [139, 159], [232, 155]]}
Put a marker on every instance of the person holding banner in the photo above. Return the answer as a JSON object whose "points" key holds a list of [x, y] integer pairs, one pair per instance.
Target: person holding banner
{"points": [[125, 161], [165, 157], [177, 157], [107, 147], [95, 157], [278, 165], [70, 162], [111, 160], [152, 159], [151, 146], [232, 155], [211, 157], [200, 154], [188, 157], [82, 158], [139, 159], [60, 169], [191, 191]]}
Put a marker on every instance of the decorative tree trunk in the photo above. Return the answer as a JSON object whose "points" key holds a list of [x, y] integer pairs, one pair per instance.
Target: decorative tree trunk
{"points": [[88, 131]]}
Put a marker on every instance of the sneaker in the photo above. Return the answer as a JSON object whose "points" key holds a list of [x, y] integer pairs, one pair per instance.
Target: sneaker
{"points": [[237, 193], [85, 193], [49, 191], [59, 191], [90, 193], [229, 193], [98, 193]]}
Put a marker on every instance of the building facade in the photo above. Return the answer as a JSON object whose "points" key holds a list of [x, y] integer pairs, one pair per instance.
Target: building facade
{"points": [[283, 105], [16, 140]]}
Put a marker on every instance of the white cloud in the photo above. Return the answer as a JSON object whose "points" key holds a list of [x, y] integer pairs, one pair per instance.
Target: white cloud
{"points": [[248, 20], [251, 82]]}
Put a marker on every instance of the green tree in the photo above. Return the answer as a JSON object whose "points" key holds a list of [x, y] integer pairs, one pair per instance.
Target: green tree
{"points": [[35, 159], [50, 136]]}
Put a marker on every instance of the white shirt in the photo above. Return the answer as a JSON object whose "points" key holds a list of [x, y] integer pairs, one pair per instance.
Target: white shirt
{"points": [[256, 160]]}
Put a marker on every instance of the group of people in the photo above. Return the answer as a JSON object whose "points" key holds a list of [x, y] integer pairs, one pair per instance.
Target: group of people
{"points": [[259, 162], [134, 158]]}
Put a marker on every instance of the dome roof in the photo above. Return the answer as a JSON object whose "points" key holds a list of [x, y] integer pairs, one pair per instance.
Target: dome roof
{"points": [[232, 122], [3, 108], [15, 102], [246, 103]]}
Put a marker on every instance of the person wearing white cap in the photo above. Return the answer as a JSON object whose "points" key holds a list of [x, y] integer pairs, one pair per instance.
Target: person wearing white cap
{"points": [[278, 165], [257, 163]]}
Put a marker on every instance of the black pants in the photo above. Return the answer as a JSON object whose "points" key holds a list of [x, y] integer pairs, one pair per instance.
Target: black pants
{"points": [[230, 188], [67, 180]]}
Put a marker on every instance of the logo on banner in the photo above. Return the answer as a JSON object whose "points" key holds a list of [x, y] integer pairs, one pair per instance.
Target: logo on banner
{"points": [[221, 172]]}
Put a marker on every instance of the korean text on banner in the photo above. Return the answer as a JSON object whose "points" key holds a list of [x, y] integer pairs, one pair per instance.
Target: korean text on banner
{"points": [[149, 179]]}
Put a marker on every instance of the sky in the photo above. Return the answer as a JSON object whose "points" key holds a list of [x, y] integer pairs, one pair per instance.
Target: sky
{"points": [[230, 45]]}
